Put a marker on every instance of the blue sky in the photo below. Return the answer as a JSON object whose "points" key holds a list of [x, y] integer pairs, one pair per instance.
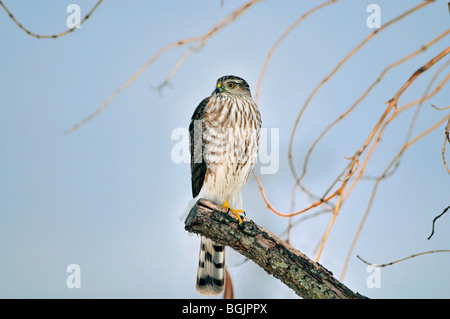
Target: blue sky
{"points": [[109, 196]]}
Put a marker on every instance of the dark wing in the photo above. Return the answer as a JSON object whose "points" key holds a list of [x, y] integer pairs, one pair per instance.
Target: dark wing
{"points": [[198, 165]]}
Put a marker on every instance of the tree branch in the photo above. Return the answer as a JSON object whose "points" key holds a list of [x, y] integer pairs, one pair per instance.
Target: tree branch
{"points": [[307, 278]]}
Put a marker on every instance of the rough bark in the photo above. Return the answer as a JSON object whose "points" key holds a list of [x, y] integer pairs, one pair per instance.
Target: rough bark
{"points": [[307, 278]]}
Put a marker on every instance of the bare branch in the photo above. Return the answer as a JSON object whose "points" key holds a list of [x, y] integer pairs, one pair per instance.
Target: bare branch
{"points": [[52, 36], [434, 220], [409, 257], [307, 278], [440, 108], [446, 139], [270, 207]]}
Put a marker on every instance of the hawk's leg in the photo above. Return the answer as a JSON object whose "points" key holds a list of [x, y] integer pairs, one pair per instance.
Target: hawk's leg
{"points": [[236, 212]]}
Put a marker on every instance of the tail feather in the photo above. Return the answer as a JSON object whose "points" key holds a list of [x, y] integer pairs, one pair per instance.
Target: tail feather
{"points": [[211, 268]]}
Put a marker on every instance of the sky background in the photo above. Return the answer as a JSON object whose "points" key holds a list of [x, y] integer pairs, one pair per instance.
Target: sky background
{"points": [[109, 196]]}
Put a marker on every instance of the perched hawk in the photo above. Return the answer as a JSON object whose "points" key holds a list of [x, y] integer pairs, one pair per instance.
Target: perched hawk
{"points": [[224, 138]]}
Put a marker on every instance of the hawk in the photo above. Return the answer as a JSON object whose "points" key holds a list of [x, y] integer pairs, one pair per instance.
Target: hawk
{"points": [[224, 139]]}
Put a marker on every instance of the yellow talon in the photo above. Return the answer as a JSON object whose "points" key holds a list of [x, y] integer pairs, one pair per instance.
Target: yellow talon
{"points": [[234, 211]]}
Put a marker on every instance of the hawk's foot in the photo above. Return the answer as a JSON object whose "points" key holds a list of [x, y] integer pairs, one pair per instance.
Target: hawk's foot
{"points": [[236, 212]]}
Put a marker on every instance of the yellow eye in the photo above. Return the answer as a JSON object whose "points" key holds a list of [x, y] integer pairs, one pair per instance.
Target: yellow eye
{"points": [[230, 85]]}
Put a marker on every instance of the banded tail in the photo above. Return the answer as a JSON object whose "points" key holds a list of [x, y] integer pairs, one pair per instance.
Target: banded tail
{"points": [[211, 268]]}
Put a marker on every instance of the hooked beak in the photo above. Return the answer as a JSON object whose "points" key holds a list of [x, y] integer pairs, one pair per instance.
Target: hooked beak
{"points": [[219, 88]]}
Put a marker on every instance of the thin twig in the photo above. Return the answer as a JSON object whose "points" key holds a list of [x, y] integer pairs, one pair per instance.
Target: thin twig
{"points": [[446, 139], [270, 207], [353, 167], [53, 36], [440, 108], [409, 257], [438, 216], [305, 218]]}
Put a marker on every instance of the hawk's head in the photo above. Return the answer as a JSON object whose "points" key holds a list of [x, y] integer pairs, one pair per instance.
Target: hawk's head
{"points": [[233, 85]]}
